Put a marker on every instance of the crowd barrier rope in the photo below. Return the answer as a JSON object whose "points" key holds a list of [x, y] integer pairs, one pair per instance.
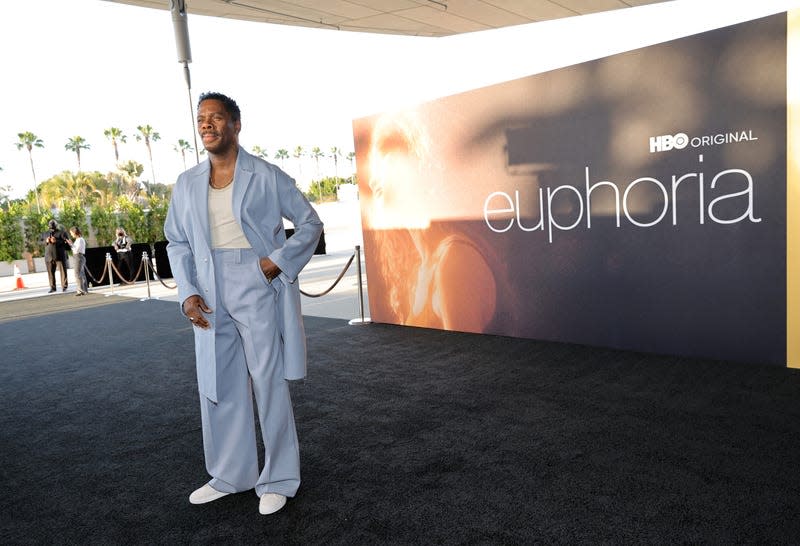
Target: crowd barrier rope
{"points": [[152, 270], [109, 270], [148, 266], [339, 278]]}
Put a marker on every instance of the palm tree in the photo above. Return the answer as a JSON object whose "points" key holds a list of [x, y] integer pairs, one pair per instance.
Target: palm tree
{"points": [[28, 141], [127, 181], [78, 187], [76, 144], [335, 153], [298, 154], [101, 189], [72, 188], [260, 152], [316, 153], [281, 155], [116, 136], [351, 157], [148, 134], [182, 147], [51, 192]]}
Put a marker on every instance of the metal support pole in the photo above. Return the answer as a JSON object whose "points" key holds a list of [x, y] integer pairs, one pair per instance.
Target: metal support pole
{"points": [[154, 269], [362, 320], [109, 266], [188, 79], [146, 262]]}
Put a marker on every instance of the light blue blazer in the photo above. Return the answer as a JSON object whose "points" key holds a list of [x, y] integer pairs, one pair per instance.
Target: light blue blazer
{"points": [[262, 196]]}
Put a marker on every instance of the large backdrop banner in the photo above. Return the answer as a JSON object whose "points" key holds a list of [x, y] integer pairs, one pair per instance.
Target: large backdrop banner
{"points": [[637, 201]]}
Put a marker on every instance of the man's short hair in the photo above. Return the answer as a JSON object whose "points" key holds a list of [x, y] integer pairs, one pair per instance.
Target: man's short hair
{"points": [[230, 105]]}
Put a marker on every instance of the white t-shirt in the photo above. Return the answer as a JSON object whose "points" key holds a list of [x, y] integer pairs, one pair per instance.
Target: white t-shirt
{"points": [[225, 231], [79, 246]]}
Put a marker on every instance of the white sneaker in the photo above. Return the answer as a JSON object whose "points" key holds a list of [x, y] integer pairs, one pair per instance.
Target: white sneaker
{"points": [[205, 494], [271, 503]]}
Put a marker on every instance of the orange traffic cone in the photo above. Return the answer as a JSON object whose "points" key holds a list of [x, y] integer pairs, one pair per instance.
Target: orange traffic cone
{"points": [[18, 276]]}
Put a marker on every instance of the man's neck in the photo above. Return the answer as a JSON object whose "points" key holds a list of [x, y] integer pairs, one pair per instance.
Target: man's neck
{"points": [[226, 160]]}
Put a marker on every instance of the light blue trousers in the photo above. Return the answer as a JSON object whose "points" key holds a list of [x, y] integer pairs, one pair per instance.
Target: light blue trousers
{"points": [[249, 362]]}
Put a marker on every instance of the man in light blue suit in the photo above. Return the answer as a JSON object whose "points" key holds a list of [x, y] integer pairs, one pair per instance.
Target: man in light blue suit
{"points": [[237, 284]]}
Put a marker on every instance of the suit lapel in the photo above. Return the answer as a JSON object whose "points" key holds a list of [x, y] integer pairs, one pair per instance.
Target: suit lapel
{"points": [[242, 176], [199, 191]]}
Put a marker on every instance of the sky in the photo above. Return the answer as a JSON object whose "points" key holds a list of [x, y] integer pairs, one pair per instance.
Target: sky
{"points": [[77, 67]]}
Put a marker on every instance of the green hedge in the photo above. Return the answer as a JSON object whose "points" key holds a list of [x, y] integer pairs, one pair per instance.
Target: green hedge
{"points": [[326, 189], [21, 226]]}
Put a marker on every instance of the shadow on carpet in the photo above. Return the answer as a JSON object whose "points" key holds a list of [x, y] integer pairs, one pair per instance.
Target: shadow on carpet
{"points": [[53, 303]]}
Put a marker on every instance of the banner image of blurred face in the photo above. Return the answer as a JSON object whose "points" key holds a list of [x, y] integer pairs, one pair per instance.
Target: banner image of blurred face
{"points": [[397, 159], [416, 265]]}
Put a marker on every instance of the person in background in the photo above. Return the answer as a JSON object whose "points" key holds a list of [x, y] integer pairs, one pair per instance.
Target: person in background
{"points": [[237, 285], [55, 254], [79, 260], [122, 245]]}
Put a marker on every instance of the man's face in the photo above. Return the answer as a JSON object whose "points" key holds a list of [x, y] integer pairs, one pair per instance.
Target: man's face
{"points": [[217, 130]]}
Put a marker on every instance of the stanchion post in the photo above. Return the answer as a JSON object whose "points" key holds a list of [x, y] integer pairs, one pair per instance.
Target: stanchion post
{"points": [[146, 262], [362, 320], [109, 265]]}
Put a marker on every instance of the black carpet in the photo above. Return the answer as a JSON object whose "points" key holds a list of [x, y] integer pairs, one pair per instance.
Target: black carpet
{"points": [[408, 436]]}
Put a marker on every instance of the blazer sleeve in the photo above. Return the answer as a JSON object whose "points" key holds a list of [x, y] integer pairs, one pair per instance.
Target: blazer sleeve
{"points": [[298, 249], [179, 248]]}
